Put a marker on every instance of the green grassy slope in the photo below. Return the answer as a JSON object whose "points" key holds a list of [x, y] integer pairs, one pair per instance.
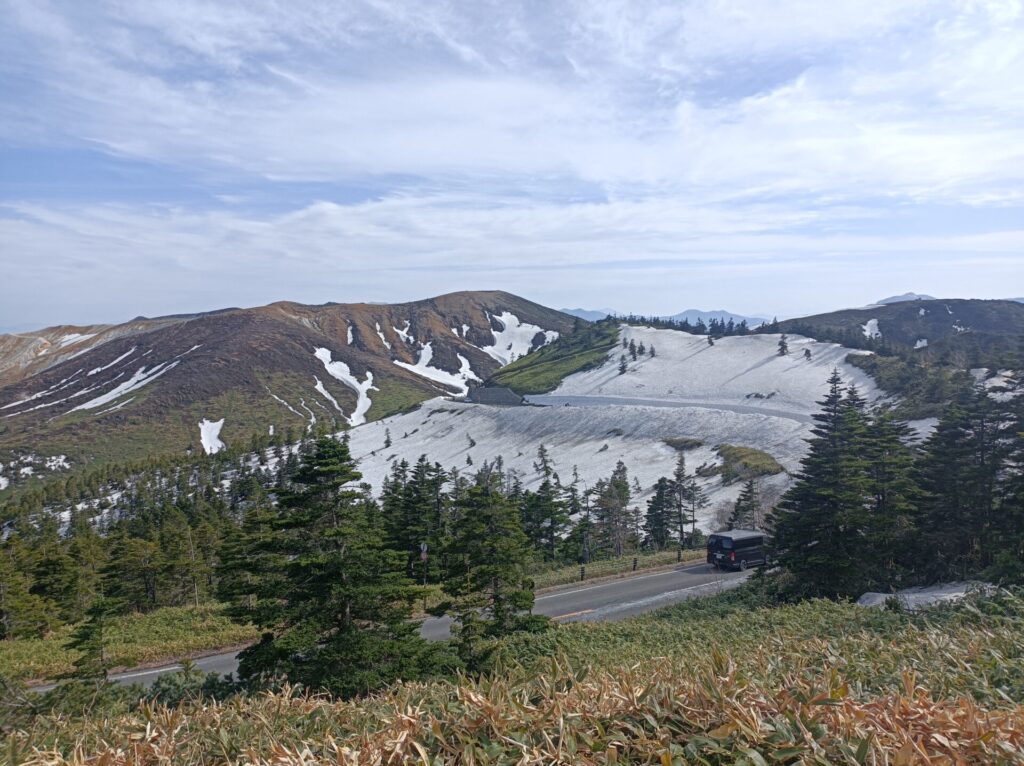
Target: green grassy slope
{"points": [[543, 370]]}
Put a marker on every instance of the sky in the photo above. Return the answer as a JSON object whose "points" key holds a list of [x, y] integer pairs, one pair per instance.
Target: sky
{"points": [[769, 158]]}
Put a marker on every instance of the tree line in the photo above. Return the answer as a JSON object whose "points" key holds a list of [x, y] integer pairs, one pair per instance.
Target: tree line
{"points": [[872, 510]]}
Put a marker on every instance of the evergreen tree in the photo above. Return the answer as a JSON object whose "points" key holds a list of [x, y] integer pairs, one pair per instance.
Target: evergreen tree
{"points": [[623, 367], [491, 593], [824, 527], [783, 345], [338, 618], [23, 614], [958, 477], [658, 519], [611, 511], [747, 509]]}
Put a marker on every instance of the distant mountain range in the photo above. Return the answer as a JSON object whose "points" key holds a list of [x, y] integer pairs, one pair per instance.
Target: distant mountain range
{"points": [[690, 315], [964, 332], [905, 297], [591, 315]]}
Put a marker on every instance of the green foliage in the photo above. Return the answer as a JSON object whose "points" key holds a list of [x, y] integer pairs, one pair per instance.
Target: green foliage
{"points": [[839, 530], [129, 640], [542, 370], [682, 443], [338, 616], [742, 464], [491, 593], [747, 507], [923, 389]]}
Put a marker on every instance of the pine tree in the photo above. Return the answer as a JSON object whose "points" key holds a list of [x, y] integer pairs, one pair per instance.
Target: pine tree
{"points": [[133, 566], [23, 614], [338, 616], [823, 526], [623, 367], [652, 351], [958, 476], [611, 511], [88, 552], [251, 569], [783, 345], [658, 519], [491, 593], [747, 509]]}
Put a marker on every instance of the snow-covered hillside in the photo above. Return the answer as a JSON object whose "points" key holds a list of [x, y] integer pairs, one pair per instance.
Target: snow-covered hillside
{"points": [[744, 371], [739, 392]]}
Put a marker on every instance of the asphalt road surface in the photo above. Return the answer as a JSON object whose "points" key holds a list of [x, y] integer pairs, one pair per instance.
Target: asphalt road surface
{"points": [[631, 401], [611, 600]]}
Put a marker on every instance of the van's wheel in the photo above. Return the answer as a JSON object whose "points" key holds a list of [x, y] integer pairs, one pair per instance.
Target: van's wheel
{"points": [[743, 566]]}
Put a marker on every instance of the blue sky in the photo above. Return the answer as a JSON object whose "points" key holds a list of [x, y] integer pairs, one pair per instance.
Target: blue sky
{"points": [[765, 157]]}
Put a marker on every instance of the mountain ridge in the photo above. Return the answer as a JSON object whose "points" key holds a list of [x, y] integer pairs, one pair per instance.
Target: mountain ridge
{"points": [[143, 387]]}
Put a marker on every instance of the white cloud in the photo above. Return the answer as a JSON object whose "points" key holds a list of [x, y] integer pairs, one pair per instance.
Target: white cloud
{"points": [[710, 136]]}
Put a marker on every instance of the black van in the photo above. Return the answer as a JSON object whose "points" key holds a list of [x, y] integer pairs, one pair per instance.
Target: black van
{"points": [[736, 549]]}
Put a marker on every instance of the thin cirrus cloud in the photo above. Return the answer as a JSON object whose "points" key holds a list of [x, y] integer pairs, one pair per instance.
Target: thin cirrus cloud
{"points": [[641, 154]]}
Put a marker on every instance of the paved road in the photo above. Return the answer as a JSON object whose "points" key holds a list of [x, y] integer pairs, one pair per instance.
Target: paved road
{"points": [[612, 600], [603, 401]]}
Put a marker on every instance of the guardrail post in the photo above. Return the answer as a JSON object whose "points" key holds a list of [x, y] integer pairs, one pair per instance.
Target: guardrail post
{"points": [[583, 573], [634, 563]]}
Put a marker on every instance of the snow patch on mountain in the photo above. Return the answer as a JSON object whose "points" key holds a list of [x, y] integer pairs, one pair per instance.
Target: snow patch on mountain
{"points": [[326, 394], [404, 332], [348, 335], [75, 337], [921, 343], [457, 380], [380, 335], [141, 377], [209, 435], [871, 330], [340, 371], [121, 358], [515, 338]]}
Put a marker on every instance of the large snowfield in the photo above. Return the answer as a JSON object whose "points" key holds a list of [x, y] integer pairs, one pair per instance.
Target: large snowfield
{"points": [[739, 392]]}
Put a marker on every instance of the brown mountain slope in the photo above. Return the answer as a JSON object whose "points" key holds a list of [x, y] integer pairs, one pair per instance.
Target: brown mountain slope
{"points": [[143, 388]]}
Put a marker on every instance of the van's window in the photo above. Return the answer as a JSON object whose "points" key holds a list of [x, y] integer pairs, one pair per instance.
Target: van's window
{"points": [[725, 543]]}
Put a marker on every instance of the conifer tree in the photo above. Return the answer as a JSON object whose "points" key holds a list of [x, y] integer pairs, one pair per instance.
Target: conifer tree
{"points": [[611, 511], [622, 365], [23, 614], [747, 509], [491, 594], [958, 476], [783, 345], [338, 617], [824, 526], [658, 518]]}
